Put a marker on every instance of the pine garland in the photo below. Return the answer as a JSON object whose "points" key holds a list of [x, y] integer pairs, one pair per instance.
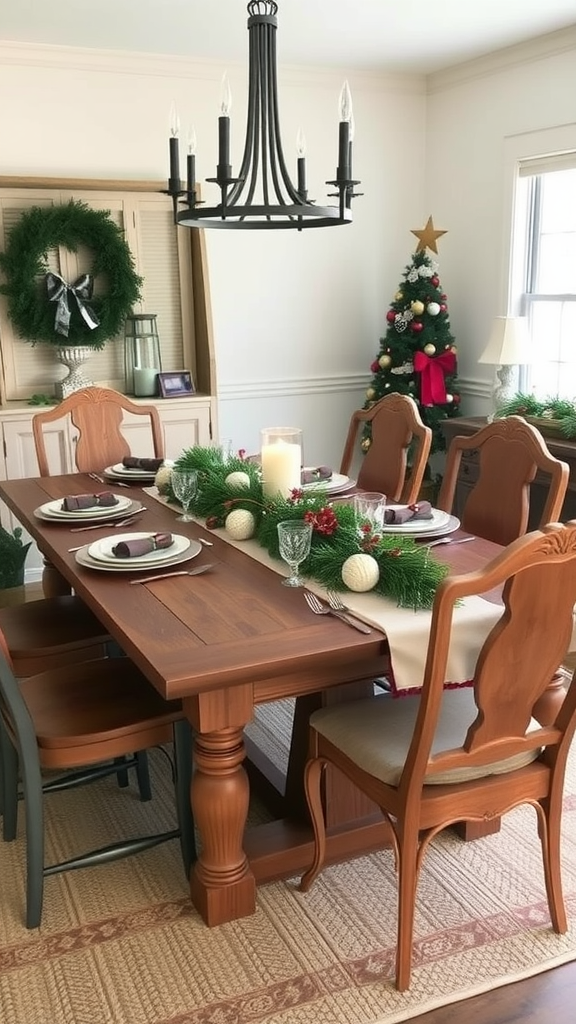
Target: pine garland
{"points": [[408, 575], [25, 264]]}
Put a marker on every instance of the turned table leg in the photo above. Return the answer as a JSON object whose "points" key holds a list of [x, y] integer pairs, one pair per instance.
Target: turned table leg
{"points": [[53, 583], [222, 885]]}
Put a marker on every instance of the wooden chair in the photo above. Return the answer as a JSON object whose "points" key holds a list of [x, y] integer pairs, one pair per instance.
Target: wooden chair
{"points": [[97, 414], [91, 714], [473, 753], [511, 452], [51, 632], [396, 430]]}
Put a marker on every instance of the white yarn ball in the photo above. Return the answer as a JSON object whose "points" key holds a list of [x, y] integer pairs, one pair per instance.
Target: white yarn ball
{"points": [[360, 572], [240, 524], [237, 479], [162, 479]]}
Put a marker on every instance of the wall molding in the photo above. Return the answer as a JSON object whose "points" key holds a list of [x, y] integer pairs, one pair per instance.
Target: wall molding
{"points": [[130, 62], [337, 384], [550, 45]]}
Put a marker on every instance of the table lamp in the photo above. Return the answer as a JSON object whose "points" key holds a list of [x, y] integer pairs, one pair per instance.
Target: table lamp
{"points": [[508, 347]]}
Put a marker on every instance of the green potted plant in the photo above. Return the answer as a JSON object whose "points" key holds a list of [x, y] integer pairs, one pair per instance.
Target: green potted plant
{"points": [[553, 416], [13, 554]]}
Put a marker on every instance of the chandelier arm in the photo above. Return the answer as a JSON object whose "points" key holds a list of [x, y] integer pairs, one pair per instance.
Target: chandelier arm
{"points": [[293, 193]]}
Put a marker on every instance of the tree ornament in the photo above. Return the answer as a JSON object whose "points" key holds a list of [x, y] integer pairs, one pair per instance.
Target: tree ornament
{"points": [[360, 572], [385, 360], [370, 394], [449, 398], [399, 296], [417, 307], [435, 280], [430, 349], [433, 308], [390, 316], [162, 479], [428, 237], [432, 372], [240, 524], [417, 326], [456, 399], [237, 479], [365, 444], [374, 366], [443, 307]]}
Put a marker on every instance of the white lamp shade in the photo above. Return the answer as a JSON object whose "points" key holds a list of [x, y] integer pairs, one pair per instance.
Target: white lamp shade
{"points": [[509, 343]]}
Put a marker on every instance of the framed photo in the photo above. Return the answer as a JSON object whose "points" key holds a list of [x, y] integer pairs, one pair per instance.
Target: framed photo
{"points": [[176, 384]]}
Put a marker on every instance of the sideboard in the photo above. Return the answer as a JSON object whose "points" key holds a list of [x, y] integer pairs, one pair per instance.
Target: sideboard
{"points": [[561, 449]]}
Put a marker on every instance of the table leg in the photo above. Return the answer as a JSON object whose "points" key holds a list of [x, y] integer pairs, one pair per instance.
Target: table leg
{"points": [[222, 885], [53, 583]]}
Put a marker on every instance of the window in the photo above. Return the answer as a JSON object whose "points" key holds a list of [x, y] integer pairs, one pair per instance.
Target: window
{"points": [[544, 273]]}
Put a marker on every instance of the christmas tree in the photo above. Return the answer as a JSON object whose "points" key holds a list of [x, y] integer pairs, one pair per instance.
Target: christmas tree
{"points": [[417, 355]]}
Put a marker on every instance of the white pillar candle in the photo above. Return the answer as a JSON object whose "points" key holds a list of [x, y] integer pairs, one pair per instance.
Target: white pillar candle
{"points": [[145, 380], [281, 467]]}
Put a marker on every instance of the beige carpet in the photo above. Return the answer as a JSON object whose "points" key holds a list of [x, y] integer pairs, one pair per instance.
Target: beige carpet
{"points": [[121, 944]]}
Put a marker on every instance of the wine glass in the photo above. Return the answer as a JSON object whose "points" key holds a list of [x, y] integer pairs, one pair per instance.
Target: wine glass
{"points": [[184, 484], [369, 509], [294, 538]]}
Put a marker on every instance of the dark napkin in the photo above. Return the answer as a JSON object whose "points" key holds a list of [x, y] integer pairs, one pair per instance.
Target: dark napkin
{"points": [[79, 502], [317, 475], [142, 545], [146, 465], [404, 513]]}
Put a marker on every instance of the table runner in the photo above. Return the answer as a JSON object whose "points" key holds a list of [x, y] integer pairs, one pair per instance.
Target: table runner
{"points": [[407, 631]]}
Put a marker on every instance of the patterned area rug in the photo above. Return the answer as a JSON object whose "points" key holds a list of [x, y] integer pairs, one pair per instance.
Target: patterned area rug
{"points": [[121, 944]]}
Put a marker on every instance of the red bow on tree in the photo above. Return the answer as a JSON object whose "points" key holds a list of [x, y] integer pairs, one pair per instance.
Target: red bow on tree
{"points": [[433, 370]]}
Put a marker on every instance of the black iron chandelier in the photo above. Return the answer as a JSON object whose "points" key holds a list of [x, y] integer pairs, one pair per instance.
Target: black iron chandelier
{"points": [[262, 196]]}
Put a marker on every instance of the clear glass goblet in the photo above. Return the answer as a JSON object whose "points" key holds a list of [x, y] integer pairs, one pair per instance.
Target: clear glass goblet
{"points": [[294, 538], [185, 484], [369, 509]]}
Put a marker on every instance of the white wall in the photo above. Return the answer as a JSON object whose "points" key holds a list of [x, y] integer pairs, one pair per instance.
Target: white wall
{"points": [[297, 316], [478, 115]]}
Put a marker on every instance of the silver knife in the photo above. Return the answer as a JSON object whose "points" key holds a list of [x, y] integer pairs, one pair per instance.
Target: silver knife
{"points": [[351, 621], [179, 572]]}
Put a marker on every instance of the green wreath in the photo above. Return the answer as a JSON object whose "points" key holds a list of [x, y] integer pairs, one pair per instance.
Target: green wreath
{"points": [[35, 315]]}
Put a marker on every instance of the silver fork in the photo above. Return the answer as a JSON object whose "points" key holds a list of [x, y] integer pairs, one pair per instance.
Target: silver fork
{"points": [[336, 603], [106, 526], [101, 480], [320, 609]]}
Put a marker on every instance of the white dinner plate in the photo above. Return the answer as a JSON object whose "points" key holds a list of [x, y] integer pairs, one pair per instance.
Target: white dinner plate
{"points": [[101, 549], [113, 513], [135, 564], [441, 531], [417, 526], [336, 483], [120, 472], [54, 509]]}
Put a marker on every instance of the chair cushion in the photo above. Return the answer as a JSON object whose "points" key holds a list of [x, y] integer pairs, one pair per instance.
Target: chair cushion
{"points": [[376, 735]]}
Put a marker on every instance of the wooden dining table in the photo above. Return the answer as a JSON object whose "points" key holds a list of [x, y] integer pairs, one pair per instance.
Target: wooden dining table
{"points": [[225, 642]]}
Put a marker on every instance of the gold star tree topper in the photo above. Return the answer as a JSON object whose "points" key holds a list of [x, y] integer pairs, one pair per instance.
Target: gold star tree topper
{"points": [[427, 237]]}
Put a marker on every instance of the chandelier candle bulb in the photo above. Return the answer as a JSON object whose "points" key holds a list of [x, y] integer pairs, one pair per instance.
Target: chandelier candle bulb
{"points": [[281, 454], [191, 165], [224, 169], [174, 150], [343, 172], [301, 164]]}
